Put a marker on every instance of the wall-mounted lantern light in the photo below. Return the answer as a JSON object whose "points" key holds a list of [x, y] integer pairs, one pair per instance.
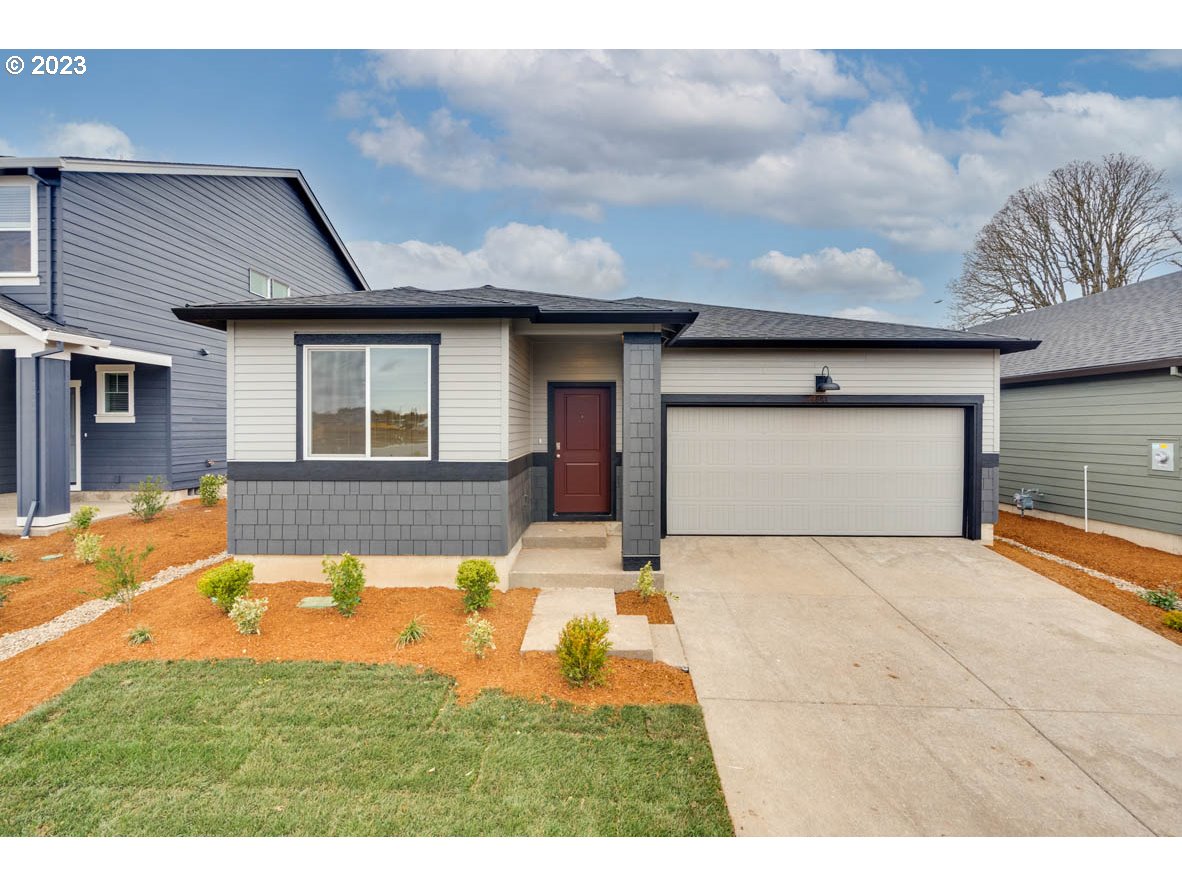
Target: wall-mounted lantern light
{"points": [[825, 382]]}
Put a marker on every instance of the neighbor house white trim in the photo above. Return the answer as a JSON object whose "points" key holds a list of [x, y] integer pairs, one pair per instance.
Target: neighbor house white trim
{"points": [[76, 403], [101, 415], [117, 353], [30, 277]]}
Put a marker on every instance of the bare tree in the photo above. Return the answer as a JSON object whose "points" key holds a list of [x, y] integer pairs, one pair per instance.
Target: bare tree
{"points": [[1085, 228]]}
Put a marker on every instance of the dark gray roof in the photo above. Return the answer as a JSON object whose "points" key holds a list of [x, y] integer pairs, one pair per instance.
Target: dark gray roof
{"points": [[1134, 326], [722, 325], [690, 323], [411, 302], [42, 321]]}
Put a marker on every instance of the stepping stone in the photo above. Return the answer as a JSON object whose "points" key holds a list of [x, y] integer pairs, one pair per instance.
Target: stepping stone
{"points": [[52, 557], [575, 601], [315, 603], [667, 646], [629, 634]]}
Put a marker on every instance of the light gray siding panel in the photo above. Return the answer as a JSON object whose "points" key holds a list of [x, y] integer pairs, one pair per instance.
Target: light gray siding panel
{"points": [[472, 402], [1049, 432], [520, 384], [881, 371], [136, 246], [562, 359]]}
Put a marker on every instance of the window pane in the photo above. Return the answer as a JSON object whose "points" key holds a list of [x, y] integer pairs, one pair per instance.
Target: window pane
{"points": [[15, 207], [16, 251], [336, 387], [279, 290], [116, 392], [398, 401], [258, 284]]}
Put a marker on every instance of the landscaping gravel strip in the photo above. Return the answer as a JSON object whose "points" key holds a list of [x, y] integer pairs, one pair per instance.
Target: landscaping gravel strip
{"points": [[1094, 573], [20, 641]]}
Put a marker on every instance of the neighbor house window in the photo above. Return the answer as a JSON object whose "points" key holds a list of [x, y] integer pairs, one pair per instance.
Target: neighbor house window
{"points": [[268, 287], [116, 394], [367, 401], [18, 231]]}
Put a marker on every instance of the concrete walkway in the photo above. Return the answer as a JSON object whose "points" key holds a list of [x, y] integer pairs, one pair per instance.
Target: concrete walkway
{"points": [[869, 686]]}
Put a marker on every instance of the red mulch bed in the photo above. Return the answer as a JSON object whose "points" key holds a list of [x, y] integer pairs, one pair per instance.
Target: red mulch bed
{"points": [[655, 609], [185, 625], [1097, 590], [181, 534], [1147, 567]]}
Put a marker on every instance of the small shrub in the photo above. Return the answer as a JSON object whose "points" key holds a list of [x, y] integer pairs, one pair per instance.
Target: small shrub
{"points": [[87, 546], [1162, 598], [139, 636], [476, 579], [1172, 620], [149, 498], [479, 638], [413, 633], [81, 519], [347, 578], [226, 583], [582, 650], [210, 488], [9, 580], [119, 573], [7, 556], [247, 614]]}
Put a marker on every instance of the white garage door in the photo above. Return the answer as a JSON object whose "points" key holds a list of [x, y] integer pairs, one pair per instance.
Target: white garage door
{"points": [[814, 470]]}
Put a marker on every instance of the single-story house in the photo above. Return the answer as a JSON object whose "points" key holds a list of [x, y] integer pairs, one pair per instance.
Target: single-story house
{"points": [[1103, 391], [430, 424], [101, 386]]}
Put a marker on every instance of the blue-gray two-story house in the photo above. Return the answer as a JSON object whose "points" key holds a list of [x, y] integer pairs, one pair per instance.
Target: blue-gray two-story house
{"points": [[100, 385]]}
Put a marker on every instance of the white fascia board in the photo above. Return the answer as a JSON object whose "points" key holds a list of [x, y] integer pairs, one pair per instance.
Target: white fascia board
{"points": [[113, 352]]}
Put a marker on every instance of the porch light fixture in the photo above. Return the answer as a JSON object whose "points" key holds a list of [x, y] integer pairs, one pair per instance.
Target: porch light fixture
{"points": [[825, 382]]}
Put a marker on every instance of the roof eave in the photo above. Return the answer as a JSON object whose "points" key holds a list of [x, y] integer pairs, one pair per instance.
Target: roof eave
{"points": [[1090, 371], [1005, 346]]}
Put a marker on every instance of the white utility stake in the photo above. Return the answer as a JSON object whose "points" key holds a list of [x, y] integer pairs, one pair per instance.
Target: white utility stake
{"points": [[1085, 498]]}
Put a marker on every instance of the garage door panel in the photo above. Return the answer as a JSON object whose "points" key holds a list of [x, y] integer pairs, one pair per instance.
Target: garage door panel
{"points": [[832, 471]]}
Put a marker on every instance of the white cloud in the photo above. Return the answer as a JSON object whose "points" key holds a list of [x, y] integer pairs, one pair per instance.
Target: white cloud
{"points": [[757, 133], [92, 139], [860, 273], [515, 255], [1158, 59], [710, 262]]}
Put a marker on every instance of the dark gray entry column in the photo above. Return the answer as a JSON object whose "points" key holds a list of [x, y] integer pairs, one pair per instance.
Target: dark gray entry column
{"points": [[43, 438], [641, 475]]}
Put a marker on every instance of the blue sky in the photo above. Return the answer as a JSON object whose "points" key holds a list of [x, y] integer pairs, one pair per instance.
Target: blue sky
{"points": [[845, 183]]}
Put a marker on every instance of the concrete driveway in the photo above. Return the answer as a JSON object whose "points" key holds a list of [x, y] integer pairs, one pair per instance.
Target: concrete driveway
{"points": [[922, 686]]}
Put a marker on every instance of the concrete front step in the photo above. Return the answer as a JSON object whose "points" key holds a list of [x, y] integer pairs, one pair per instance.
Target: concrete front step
{"points": [[629, 634], [565, 536], [667, 646], [575, 568]]}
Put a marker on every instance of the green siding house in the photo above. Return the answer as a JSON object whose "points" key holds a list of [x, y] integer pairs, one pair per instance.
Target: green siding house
{"points": [[1104, 391]]}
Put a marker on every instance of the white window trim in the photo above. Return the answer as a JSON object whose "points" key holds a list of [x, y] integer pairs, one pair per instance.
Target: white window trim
{"points": [[25, 278], [307, 404], [101, 415], [271, 281]]}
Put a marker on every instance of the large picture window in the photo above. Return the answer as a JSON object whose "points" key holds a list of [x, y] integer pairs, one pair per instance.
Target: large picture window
{"points": [[367, 401]]}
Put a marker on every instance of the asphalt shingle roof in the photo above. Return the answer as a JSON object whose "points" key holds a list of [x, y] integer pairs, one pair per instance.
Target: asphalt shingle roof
{"points": [[696, 323], [1138, 323], [36, 317], [721, 322]]}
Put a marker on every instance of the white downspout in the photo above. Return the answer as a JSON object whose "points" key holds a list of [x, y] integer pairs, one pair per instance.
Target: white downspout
{"points": [[1085, 498]]}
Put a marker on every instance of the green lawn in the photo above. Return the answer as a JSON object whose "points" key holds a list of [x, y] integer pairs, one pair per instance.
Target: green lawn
{"points": [[233, 747]]}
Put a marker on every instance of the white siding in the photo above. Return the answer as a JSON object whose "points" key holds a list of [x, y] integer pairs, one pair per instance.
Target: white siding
{"points": [[878, 371], [519, 396], [472, 402], [565, 360]]}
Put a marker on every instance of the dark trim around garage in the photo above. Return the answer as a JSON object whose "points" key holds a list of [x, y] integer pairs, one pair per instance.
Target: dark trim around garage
{"points": [[617, 457], [972, 404]]}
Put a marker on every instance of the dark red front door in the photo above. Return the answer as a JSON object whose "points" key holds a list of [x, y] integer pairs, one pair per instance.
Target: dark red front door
{"points": [[582, 451]]}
